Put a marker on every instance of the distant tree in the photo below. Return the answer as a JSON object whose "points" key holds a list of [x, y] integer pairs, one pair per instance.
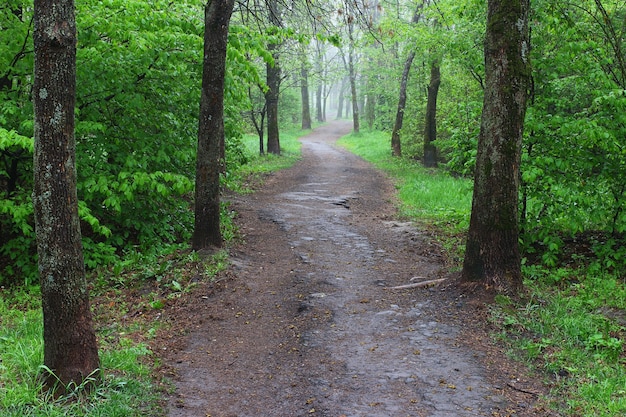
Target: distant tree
{"points": [[209, 160], [70, 348], [492, 256], [304, 90], [340, 102], [430, 126]]}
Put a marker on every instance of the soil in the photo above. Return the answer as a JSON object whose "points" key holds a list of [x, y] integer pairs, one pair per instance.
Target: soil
{"points": [[305, 321]]}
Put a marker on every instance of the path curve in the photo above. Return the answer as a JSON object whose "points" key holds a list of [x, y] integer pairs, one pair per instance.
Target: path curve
{"points": [[305, 324]]}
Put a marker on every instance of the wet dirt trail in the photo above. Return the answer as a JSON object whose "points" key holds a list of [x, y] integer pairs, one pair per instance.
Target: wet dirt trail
{"points": [[304, 322]]}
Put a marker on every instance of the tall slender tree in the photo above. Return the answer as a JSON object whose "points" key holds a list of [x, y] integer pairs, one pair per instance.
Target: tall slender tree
{"points": [[70, 347], [273, 85], [396, 145], [492, 256], [430, 126], [304, 92], [209, 160]]}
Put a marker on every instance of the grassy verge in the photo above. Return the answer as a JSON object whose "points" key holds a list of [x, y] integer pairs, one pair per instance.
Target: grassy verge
{"points": [[570, 325], [429, 197], [127, 384], [245, 178], [126, 299]]}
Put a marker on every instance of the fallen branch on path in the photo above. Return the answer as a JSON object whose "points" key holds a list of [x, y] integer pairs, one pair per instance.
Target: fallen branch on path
{"points": [[525, 391], [421, 284]]}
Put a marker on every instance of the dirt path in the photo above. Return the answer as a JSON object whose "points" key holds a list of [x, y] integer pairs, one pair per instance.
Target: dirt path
{"points": [[303, 324]]}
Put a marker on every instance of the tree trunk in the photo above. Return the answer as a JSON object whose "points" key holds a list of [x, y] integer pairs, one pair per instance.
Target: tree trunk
{"points": [[273, 84], [209, 162], [492, 256], [370, 104], [318, 102], [352, 75], [325, 92], [396, 147], [304, 93], [259, 125], [430, 127], [342, 90], [70, 348]]}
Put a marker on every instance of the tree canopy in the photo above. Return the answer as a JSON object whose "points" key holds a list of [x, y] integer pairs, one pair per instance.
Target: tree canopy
{"points": [[138, 84]]}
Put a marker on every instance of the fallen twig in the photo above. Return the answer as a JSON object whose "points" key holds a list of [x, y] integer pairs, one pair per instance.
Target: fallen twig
{"points": [[522, 390], [418, 284]]}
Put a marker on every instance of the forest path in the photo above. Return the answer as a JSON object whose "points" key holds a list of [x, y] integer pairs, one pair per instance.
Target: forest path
{"points": [[303, 323]]}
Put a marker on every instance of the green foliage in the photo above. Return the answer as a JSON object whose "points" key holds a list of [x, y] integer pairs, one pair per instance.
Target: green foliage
{"points": [[244, 178], [571, 327], [138, 89], [425, 194], [126, 389], [573, 170]]}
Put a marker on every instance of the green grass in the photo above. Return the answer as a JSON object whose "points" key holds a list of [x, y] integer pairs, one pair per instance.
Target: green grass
{"points": [[127, 388], [425, 194], [246, 177], [570, 327]]}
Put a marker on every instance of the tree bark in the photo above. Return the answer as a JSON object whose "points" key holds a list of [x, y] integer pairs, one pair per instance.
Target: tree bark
{"points": [[396, 146], [209, 161], [342, 90], [352, 75], [70, 347], [304, 93], [430, 127], [318, 104], [492, 256], [273, 84]]}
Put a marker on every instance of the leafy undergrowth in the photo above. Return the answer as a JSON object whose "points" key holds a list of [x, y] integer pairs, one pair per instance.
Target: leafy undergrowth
{"points": [[571, 322], [571, 326], [126, 388], [247, 177], [127, 298]]}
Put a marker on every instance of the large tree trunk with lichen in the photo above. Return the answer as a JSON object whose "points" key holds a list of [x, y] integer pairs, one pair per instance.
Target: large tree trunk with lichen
{"points": [[209, 161], [430, 127], [492, 256], [70, 348]]}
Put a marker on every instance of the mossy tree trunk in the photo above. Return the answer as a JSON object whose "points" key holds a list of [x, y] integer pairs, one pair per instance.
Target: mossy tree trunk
{"points": [[209, 160], [70, 347], [492, 256]]}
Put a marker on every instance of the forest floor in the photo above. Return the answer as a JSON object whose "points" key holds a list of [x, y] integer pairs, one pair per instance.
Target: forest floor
{"points": [[304, 322]]}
